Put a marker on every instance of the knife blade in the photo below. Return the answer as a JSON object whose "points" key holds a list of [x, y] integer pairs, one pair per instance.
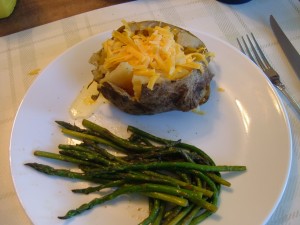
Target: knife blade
{"points": [[287, 47]]}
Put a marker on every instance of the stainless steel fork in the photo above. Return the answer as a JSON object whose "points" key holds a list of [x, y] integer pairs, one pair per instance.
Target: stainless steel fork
{"points": [[259, 58]]}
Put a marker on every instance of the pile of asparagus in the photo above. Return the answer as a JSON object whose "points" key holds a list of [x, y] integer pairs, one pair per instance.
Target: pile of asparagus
{"points": [[181, 181]]}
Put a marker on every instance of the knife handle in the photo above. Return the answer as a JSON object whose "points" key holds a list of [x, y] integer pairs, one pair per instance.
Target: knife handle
{"points": [[290, 98]]}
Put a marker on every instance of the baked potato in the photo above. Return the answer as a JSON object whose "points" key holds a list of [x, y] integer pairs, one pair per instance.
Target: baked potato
{"points": [[151, 67]]}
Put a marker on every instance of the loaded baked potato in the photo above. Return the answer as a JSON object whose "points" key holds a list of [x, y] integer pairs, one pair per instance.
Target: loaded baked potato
{"points": [[151, 67]]}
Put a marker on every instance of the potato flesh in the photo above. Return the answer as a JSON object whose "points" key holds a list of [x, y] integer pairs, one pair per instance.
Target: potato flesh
{"points": [[152, 52], [121, 76], [187, 88]]}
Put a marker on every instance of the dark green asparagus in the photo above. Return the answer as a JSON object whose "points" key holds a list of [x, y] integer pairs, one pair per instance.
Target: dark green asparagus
{"points": [[192, 196], [60, 157], [167, 165], [58, 172], [153, 214], [123, 143], [174, 143], [172, 174]]}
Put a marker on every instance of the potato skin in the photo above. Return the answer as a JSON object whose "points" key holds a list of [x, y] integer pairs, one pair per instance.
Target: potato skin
{"points": [[183, 37], [182, 94]]}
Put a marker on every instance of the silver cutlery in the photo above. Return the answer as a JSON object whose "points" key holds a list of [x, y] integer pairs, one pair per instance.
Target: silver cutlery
{"points": [[287, 47], [258, 57]]}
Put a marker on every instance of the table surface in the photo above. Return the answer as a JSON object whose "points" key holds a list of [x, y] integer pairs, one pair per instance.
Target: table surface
{"points": [[51, 27], [32, 13]]}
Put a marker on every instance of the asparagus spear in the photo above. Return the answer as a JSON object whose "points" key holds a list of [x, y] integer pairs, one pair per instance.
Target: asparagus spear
{"points": [[88, 190], [167, 165], [172, 213], [196, 195], [82, 136], [192, 196], [159, 217], [169, 181], [190, 215], [60, 157], [123, 143], [181, 215], [58, 172], [153, 214], [166, 141], [88, 156], [167, 198]]}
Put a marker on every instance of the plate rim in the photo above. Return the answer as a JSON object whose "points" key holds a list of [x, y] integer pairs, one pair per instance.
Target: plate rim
{"points": [[278, 98]]}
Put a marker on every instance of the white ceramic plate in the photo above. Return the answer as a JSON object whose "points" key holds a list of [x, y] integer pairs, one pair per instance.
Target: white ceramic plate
{"points": [[243, 125]]}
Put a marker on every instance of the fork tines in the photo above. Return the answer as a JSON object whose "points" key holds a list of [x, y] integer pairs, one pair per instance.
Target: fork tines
{"points": [[260, 58]]}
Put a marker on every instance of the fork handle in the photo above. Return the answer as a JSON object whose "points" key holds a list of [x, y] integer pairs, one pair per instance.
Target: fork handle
{"points": [[289, 97]]}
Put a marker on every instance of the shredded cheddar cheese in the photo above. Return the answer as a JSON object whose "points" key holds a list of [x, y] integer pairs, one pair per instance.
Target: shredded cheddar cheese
{"points": [[34, 72], [152, 55]]}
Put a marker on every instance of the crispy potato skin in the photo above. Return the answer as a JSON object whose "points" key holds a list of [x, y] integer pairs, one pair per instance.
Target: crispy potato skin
{"points": [[183, 94]]}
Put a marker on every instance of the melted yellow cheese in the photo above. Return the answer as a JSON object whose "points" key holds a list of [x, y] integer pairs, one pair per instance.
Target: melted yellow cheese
{"points": [[152, 54]]}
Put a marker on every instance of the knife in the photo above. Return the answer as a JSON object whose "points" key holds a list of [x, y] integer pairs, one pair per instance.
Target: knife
{"points": [[287, 47]]}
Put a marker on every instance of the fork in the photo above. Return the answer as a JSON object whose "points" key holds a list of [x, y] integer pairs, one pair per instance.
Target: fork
{"points": [[260, 59]]}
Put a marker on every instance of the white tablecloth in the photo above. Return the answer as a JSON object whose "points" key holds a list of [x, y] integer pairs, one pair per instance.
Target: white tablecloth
{"points": [[29, 51]]}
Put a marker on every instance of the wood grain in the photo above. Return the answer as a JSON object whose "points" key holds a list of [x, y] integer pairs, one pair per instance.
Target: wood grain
{"points": [[31, 13]]}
